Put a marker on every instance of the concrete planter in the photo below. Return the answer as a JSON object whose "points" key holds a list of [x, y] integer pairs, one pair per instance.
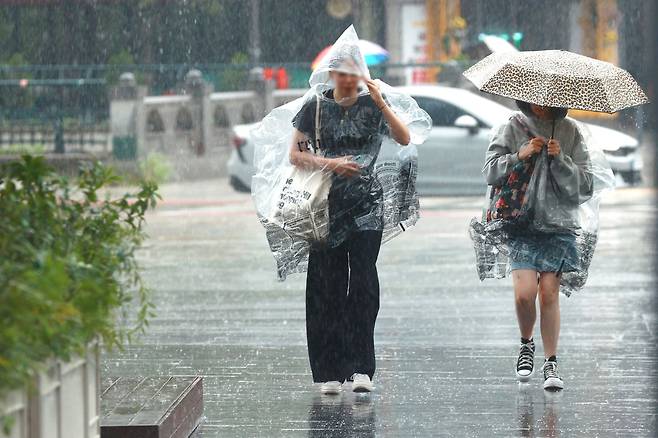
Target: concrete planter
{"points": [[15, 405], [64, 404]]}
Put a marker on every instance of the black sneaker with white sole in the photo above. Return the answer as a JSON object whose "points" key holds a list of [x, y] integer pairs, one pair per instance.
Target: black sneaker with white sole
{"points": [[552, 380], [525, 364]]}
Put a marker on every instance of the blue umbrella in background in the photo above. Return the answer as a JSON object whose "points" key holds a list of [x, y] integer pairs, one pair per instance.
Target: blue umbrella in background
{"points": [[372, 52]]}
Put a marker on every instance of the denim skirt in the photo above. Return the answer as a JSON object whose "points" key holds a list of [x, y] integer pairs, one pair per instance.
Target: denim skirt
{"points": [[544, 253]]}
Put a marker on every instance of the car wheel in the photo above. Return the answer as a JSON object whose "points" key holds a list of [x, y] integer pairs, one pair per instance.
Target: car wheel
{"points": [[238, 185], [632, 177]]}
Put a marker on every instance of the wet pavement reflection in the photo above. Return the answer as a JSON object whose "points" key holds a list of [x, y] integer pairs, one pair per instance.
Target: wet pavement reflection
{"points": [[446, 343], [536, 417], [343, 415]]}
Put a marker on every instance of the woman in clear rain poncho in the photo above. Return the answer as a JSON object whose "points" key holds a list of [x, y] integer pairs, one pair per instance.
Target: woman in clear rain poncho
{"points": [[331, 184], [541, 223]]}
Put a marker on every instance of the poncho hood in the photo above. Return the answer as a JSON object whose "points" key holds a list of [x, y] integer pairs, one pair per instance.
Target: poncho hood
{"points": [[344, 56], [291, 205]]}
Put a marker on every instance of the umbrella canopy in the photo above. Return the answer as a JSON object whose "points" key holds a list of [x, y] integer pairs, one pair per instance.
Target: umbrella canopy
{"points": [[557, 78], [372, 52]]}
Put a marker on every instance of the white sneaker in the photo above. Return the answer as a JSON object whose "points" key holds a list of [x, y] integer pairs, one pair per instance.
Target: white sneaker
{"points": [[362, 383], [332, 387]]}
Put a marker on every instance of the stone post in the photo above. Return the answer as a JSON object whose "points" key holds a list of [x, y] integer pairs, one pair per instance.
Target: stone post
{"points": [[264, 90], [199, 92], [125, 114]]}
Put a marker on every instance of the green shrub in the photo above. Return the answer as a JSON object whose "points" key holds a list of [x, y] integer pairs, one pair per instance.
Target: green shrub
{"points": [[68, 272], [234, 76], [117, 64], [23, 148], [155, 167]]}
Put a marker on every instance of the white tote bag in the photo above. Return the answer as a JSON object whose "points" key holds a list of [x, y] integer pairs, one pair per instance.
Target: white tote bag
{"points": [[302, 207]]}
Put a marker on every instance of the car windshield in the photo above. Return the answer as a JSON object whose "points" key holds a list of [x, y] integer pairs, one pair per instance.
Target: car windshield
{"points": [[486, 110], [445, 104]]}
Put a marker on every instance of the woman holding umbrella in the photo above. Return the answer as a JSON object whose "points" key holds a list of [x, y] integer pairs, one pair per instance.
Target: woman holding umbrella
{"points": [[542, 220], [538, 258]]}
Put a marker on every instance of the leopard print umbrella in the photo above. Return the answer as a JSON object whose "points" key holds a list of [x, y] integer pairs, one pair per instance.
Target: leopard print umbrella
{"points": [[557, 78]]}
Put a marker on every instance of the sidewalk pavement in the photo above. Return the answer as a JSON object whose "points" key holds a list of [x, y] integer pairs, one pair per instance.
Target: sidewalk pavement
{"points": [[446, 343]]}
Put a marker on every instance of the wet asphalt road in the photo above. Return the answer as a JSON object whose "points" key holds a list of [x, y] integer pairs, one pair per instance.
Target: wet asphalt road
{"points": [[446, 343]]}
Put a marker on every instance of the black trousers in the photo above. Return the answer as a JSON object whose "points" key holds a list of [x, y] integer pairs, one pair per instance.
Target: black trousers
{"points": [[342, 302]]}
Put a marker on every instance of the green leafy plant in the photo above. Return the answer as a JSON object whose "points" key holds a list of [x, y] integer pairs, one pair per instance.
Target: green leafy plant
{"points": [[68, 273], [23, 148], [116, 63], [233, 76], [155, 167]]}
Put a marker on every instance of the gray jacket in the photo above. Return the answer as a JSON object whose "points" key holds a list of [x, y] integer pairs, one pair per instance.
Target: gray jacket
{"points": [[570, 169]]}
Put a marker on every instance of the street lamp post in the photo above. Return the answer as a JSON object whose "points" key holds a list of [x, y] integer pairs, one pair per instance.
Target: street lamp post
{"points": [[254, 34]]}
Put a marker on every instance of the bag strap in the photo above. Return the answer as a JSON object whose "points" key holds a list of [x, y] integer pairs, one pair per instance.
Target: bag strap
{"points": [[317, 124]]}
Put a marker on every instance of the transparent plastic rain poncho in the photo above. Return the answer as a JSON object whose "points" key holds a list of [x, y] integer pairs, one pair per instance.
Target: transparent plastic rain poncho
{"points": [[300, 207], [556, 221]]}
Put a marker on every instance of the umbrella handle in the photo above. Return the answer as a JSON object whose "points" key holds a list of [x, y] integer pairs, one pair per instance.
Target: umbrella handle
{"points": [[551, 177], [552, 137]]}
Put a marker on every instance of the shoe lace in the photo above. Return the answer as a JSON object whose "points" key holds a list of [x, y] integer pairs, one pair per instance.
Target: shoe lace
{"points": [[526, 356], [550, 370]]}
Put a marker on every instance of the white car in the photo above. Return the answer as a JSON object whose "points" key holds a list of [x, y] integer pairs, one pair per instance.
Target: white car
{"points": [[450, 161], [240, 163]]}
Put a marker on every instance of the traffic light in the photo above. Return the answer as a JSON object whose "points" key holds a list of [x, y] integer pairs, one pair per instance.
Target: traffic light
{"points": [[515, 38]]}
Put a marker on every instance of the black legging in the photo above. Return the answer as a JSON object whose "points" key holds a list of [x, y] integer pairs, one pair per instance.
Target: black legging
{"points": [[342, 301]]}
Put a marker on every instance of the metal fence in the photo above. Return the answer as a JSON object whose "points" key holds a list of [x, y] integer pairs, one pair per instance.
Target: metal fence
{"points": [[50, 109], [54, 137], [165, 78]]}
